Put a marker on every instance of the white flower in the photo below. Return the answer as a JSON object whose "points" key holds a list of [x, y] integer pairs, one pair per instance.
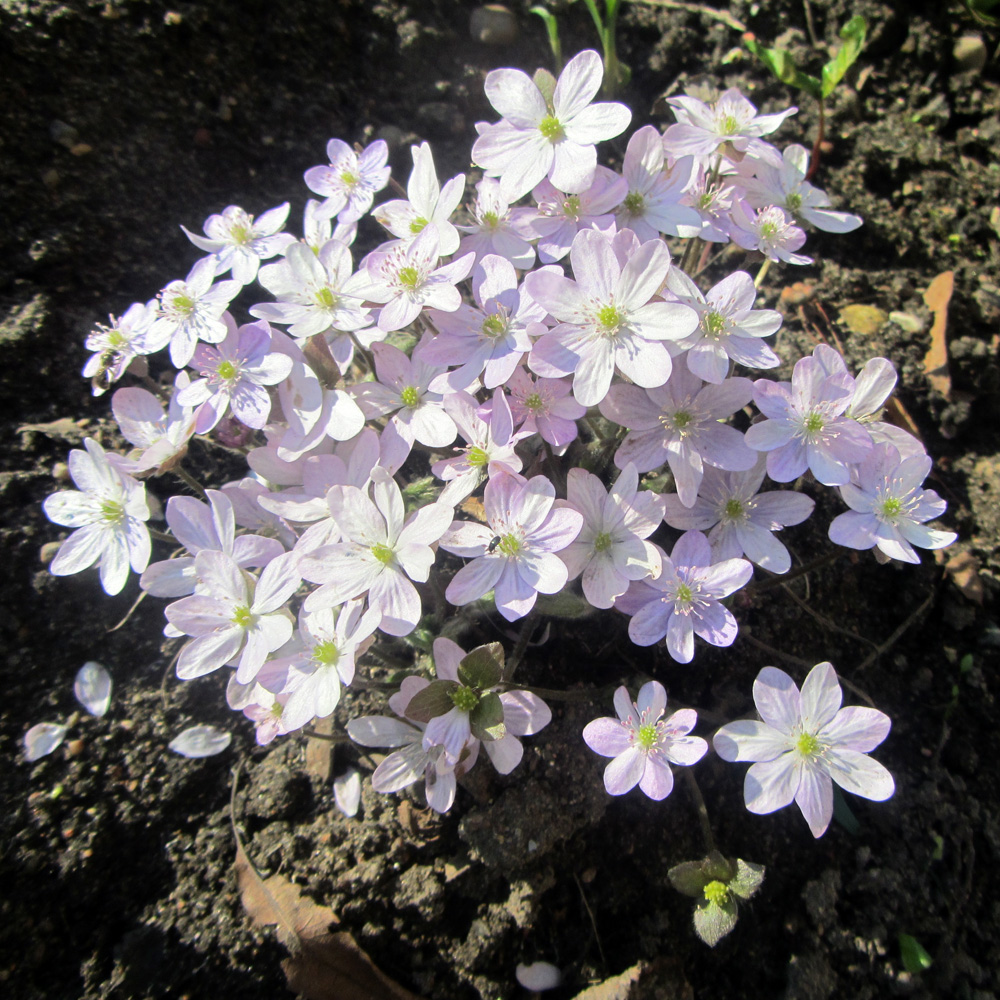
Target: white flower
{"points": [[107, 511]]}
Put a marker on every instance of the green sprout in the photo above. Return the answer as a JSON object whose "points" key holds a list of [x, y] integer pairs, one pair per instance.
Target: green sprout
{"points": [[782, 65], [986, 12], [616, 74], [914, 955]]}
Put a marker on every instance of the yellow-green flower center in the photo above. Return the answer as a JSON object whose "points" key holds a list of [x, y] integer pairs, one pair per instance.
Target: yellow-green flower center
{"points": [[610, 319], [734, 508], [714, 324], [646, 736], [571, 206], [549, 127], [183, 305], [382, 553], [602, 542], [240, 234], [793, 202], [326, 298], [684, 592], [716, 892], [409, 277], [477, 457], [348, 179], [465, 699], [494, 326], [226, 370], [729, 125], [533, 402], [813, 423], [326, 653], [243, 616], [682, 420], [112, 511], [490, 219], [891, 508], [635, 203], [417, 225], [807, 745], [509, 545], [410, 396], [768, 229]]}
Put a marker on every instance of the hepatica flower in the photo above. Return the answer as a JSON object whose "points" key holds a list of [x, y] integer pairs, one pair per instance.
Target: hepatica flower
{"points": [[235, 374], [804, 743], [888, 507], [523, 563], [538, 139], [684, 600], [771, 231], [607, 320], [349, 184], [643, 743], [107, 512]]}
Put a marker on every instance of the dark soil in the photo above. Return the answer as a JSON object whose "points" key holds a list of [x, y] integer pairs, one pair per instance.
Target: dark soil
{"points": [[120, 120]]}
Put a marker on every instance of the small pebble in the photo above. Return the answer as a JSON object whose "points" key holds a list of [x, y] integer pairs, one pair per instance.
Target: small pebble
{"points": [[63, 134], [48, 552], [493, 24], [970, 54]]}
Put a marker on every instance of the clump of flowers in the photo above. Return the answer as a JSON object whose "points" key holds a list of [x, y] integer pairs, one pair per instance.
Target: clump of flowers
{"points": [[460, 426]]}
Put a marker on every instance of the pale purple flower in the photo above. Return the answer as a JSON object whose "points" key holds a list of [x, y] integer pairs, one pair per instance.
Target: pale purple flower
{"points": [[118, 344], [679, 423], [536, 138], [787, 187], [729, 328], [731, 126], [191, 310], [771, 231], [561, 216], [160, 437], [407, 279], [888, 507], [805, 742], [330, 643], [545, 406], [402, 390], [611, 550], [232, 616], [806, 427], [107, 511], [381, 553], [316, 293], [235, 374], [349, 184], [654, 203], [235, 241], [712, 200], [490, 445], [741, 519], [523, 563], [643, 743], [607, 320], [684, 600], [203, 527], [497, 228], [429, 206], [490, 340]]}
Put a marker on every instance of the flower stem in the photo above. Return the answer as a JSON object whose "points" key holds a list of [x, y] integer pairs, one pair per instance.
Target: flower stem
{"points": [[523, 638], [700, 808], [762, 273], [186, 477]]}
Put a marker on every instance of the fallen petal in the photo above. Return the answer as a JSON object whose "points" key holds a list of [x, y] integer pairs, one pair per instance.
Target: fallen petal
{"points": [[41, 740], [538, 976], [200, 741], [92, 688], [347, 792]]}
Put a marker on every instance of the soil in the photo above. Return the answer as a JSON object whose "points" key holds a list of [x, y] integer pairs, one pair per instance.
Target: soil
{"points": [[120, 120]]}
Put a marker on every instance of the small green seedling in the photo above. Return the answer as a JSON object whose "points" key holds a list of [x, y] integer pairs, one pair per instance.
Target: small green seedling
{"points": [[914, 955], [782, 65], [986, 12], [616, 74]]}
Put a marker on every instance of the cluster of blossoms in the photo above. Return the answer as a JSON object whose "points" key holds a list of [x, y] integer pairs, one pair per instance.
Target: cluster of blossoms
{"points": [[490, 360]]}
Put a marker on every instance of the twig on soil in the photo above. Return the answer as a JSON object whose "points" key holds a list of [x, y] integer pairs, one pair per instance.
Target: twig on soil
{"points": [[593, 922], [826, 622], [696, 8], [164, 697], [523, 638], [796, 661], [701, 809], [129, 613], [780, 581], [810, 27], [884, 647]]}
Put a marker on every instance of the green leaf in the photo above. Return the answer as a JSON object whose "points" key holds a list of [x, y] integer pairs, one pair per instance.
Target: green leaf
{"points": [[713, 921], [689, 878], [718, 869], [782, 65], [853, 36], [432, 701], [552, 30], [565, 604], [842, 813], [748, 879], [546, 83], [482, 668], [486, 719], [914, 955]]}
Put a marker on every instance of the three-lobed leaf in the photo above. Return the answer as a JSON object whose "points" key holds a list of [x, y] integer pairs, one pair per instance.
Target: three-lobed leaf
{"points": [[432, 701], [482, 668]]}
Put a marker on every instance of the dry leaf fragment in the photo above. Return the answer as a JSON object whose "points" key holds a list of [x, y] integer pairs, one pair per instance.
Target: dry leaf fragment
{"points": [[865, 321], [323, 965], [937, 297], [963, 568]]}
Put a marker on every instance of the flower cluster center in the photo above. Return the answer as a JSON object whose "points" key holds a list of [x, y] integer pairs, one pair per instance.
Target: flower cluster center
{"points": [[551, 128], [465, 699], [410, 396], [716, 892]]}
